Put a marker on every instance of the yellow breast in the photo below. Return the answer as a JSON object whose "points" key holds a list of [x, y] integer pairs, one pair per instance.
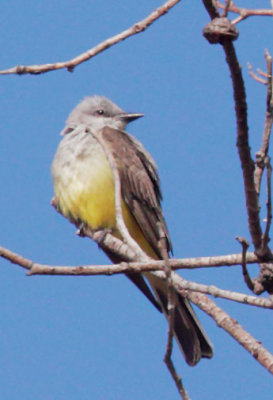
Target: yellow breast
{"points": [[84, 187], [85, 190]]}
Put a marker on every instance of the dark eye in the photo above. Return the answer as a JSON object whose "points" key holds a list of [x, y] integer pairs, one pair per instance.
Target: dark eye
{"points": [[100, 112]]}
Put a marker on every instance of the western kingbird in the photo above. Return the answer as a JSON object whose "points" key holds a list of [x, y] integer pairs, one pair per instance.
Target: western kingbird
{"points": [[85, 194]]}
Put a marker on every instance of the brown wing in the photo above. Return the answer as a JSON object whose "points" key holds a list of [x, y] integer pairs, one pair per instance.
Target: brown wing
{"points": [[141, 192], [139, 185]]}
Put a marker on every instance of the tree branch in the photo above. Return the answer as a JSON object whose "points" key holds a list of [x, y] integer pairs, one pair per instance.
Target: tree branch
{"points": [[222, 319], [176, 378], [211, 9], [263, 152], [113, 269], [87, 55], [227, 294], [247, 164], [152, 265], [231, 326], [255, 76], [243, 12]]}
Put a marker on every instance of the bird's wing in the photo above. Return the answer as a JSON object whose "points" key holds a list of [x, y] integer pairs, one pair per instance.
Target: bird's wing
{"points": [[140, 188], [141, 193]]}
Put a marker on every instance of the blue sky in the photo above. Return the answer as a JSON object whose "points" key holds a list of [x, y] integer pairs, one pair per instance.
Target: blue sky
{"points": [[97, 337]]}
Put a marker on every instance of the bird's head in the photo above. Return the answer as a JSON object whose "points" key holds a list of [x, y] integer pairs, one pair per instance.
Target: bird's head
{"points": [[97, 112]]}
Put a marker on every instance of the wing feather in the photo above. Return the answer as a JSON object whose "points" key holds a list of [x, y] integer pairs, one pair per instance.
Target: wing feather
{"points": [[140, 185]]}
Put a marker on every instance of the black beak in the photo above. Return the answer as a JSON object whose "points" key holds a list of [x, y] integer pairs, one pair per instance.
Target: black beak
{"points": [[129, 117]]}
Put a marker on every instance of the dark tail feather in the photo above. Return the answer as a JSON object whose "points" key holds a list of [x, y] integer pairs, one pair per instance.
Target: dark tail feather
{"points": [[137, 279], [205, 344], [189, 334]]}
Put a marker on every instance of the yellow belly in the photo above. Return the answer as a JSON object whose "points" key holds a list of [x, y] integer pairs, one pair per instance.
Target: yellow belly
{"points": [[86, 193]]}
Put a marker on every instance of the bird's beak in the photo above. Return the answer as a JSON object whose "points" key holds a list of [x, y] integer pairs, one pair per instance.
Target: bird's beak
{"points": [[129, 117]]}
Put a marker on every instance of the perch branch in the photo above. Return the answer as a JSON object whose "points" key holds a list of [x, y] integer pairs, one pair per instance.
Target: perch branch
{"points": [[112, 269], [223, 320], [153, 265]]}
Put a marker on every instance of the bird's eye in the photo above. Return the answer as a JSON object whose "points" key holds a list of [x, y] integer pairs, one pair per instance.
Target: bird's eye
{"points": [[100, 112]]}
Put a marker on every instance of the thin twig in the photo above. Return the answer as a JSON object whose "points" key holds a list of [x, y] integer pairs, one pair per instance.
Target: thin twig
{"points": [[177, 379], [261, 72], [263, 282], [262, 159], [170, 291], [262, 153], [227, 294], [245, 246], [87, 55], [226, 9], [255, 76], [171, 310], [243, 12], [266, 238]]}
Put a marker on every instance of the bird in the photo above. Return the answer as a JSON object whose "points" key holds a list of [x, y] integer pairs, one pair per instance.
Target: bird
{"points": [[84, 193]]}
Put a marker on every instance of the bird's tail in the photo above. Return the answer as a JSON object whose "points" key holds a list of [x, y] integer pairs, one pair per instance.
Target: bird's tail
{"points": [[188, 332]]}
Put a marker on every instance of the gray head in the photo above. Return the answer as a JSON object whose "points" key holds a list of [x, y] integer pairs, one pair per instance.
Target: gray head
{"points": [[97, 112]]}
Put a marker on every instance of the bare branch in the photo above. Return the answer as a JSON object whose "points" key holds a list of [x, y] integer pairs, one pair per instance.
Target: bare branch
{"points": [[227, 294], [226, 9], [225, 38], [103, 238], [211, 9], [152, 265], [252, 201], [263, 282], [266, 238], [177, 379], [15, 258], [231, 326], [262, 153], [255, 76], [106, 241], [243, 12], [39, 269], [245, 246], [247, 164], [171, 310], [261, 72], [222, 319], [87, 55]]}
